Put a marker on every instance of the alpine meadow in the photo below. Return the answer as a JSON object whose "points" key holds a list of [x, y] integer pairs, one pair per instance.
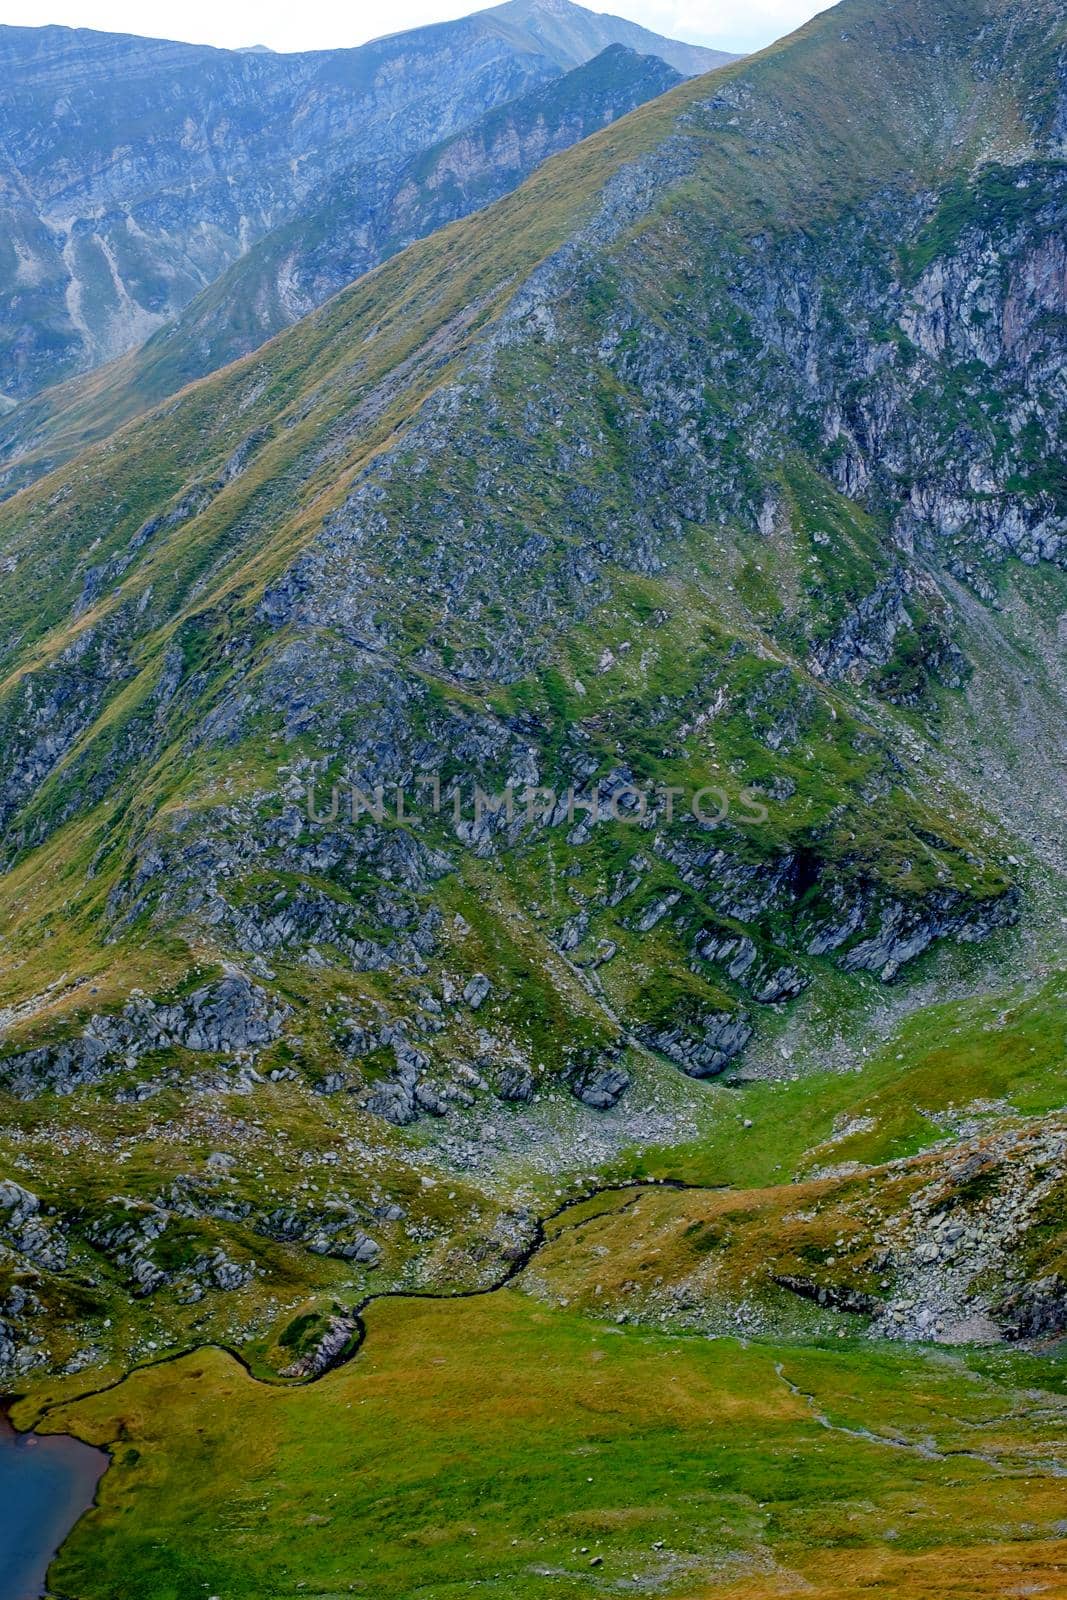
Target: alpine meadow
{"points": [[533, 812]]}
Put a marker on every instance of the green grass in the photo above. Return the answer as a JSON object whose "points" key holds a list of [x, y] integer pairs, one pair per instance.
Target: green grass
{"points": [[993, 1056], [497, 1447], [997, 196], [464, 1427]]}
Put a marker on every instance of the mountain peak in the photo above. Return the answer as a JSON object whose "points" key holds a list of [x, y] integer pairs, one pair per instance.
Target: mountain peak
{"points": [[572, 32]]}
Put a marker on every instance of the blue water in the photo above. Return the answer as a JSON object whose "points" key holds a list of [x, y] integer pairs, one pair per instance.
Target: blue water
{"points": [[46, 1482]]}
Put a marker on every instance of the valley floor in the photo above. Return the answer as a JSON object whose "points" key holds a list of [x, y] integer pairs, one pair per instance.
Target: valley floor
{"points": [[711, 1383], [508, 1444]]}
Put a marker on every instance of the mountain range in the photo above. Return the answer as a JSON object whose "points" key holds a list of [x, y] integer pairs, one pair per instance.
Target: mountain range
{"points": [[543, 780], [344, 228], [135, 171]]}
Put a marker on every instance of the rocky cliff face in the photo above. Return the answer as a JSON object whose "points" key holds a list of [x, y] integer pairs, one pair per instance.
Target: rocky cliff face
{"points": [[636, 505], [844, 396], [135, 171], [375, 208]]}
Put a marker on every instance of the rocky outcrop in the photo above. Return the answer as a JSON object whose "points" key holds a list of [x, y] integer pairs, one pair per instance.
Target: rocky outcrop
{"points": [[21, 1342], [598, 1083], [767, 981], [25, 1228], [959, 1263], [703, 1048], [1035, 1312], [835, 1296], [905, 931], [340, 1335], [231, 1015]]}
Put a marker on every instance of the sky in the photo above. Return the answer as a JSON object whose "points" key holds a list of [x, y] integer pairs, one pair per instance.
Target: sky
{"points": [[325, 24]]}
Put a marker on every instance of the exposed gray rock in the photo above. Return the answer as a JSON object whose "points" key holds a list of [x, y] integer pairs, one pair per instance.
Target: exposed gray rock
{"points": [[1037, 1311], [476, 990], [27, 1230], [905, 931], [516, 1082], [233, 1014], [954, 1263], [599, 1084], [705, 1047], [339, 1335]]}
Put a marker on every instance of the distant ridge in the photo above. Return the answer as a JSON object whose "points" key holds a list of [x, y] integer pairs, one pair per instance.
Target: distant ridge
{"points": [[345, 228], [135, 171], [562, 27]]}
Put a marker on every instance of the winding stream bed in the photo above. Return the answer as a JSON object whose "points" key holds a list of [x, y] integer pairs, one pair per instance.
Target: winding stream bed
{"points": [[47, 1481]]}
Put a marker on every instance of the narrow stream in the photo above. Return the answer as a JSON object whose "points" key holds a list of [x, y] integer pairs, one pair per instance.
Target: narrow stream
{"points": [[46, 1482]]}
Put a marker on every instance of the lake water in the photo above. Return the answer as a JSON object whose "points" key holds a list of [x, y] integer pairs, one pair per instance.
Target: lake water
{"points": [[46, 1482]]}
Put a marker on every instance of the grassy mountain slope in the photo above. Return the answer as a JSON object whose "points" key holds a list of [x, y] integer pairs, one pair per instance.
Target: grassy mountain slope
{"points": [[344, 229], [135, 171], [702, 461]]}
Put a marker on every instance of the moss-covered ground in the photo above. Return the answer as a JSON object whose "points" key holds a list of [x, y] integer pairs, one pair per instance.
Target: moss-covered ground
{"points": [[498, 1446]]}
